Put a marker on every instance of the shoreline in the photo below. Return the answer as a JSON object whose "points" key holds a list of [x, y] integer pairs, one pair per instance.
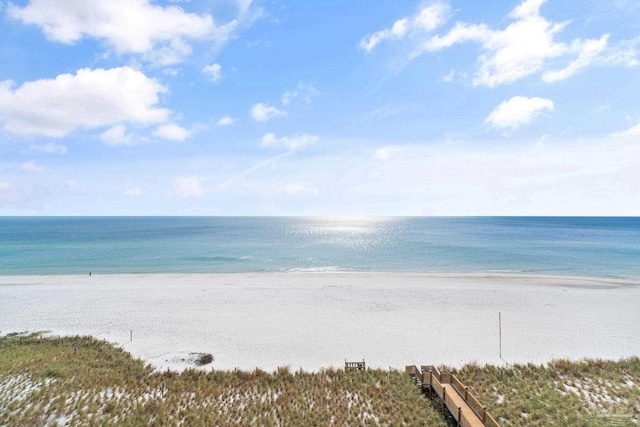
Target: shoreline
{"points": [[316, 320], [541, 279]]}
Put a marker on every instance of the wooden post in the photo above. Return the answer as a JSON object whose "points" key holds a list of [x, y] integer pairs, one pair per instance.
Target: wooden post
{"points": [[459, 415], [444, 398], [484, 414], [466, 393]]}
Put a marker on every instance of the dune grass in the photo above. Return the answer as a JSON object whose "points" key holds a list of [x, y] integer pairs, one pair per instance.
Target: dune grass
{"points": [[87, 382], [83, 381], [582, 393]]}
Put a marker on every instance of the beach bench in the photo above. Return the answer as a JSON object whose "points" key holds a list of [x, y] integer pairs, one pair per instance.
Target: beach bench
{"points": [[348, 366]]}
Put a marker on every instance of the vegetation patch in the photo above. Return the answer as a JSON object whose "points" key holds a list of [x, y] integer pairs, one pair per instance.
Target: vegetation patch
{"points": [[582, 393], [81, 381], [202, 359]]}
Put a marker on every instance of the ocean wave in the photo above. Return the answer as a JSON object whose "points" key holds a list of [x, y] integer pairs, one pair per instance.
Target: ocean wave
{"points": [[217, 258], [325, 269]]}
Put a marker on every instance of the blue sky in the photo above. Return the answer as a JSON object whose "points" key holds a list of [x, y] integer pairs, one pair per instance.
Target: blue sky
{"points": [[138, 107]]}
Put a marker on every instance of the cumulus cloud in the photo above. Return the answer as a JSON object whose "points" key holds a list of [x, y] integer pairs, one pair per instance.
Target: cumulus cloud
{"points": [[294, 142], [213, 72], [304, 91], [524, 47], [117, 135], [227, 121], [88, 99], [427, 19], [171, 131], [262, 112], [160, 34], [187, 187], [518, 111]]}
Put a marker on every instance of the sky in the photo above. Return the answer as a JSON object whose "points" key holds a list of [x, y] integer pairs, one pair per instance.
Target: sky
{"points": [[332, 107]]}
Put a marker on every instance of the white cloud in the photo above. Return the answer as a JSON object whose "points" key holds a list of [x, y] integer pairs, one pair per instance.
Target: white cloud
{"points": [[31, 166], [213, 71], [187, 187], [173, 72], [117, 135], [171, 131], [88, 99], [633, 133], [134, 193], [460, 33], [430, 17], [427, 19], [524, 47], [397, 31], [288, 96], [518, 111], [262, 112], [50, 148], [527, 8], [227, 121], [304, 91], [588, 51], [244, 5], [449, 77], [624, 53], [294, 142], [385, 153], [159, 33]]}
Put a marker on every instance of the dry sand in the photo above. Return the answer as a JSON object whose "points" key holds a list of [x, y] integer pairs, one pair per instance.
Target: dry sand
{"points": [[315, 320]]}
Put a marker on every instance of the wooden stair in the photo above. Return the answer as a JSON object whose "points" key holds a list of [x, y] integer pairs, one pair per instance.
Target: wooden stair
{"points": [[465, 408]]}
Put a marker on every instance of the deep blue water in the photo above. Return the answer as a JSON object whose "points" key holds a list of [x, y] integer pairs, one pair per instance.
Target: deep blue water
{"points": [[606, 247]]}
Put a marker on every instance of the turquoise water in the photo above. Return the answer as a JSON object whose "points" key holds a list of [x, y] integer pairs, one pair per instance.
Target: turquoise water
{"points": [[605, 247]]}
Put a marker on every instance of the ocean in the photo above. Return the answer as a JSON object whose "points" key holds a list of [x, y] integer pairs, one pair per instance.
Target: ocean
{"points": [[577, 246]]}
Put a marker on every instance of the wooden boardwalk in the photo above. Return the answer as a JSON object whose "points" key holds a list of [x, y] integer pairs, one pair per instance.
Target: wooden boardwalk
{"points": [[463, 405]]}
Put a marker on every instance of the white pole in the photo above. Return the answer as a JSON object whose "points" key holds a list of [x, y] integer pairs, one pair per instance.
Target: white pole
{"points": [[500, 331]]}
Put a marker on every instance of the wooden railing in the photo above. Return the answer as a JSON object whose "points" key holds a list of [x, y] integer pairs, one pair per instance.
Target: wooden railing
{"points": [[437, 386], [431, 378], [415, 373]]}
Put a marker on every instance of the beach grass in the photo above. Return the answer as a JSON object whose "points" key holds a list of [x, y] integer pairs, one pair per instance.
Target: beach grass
{"points": [[85, 381], [562, 392]]}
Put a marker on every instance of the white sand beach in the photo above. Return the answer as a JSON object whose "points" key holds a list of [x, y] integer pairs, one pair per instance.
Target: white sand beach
{"points": [[314, 320]]}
